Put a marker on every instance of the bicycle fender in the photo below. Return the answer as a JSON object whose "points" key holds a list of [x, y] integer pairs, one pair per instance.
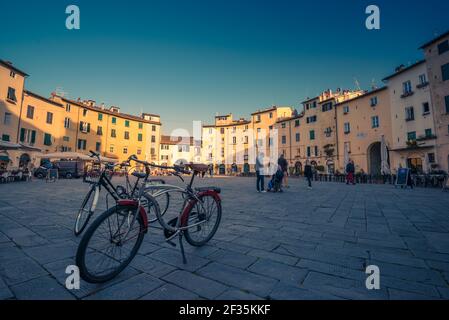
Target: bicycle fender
{"points": [[193, 202], [142, 212]]}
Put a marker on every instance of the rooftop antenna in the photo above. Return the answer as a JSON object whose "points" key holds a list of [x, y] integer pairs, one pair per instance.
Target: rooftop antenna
{"points": [[60, 92]]}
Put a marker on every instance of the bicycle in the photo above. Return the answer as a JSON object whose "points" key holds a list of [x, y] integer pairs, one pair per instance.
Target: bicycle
{"points": [[90, 201], [114, 238]]}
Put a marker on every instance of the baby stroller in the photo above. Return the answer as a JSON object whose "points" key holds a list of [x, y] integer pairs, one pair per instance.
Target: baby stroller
{"points": [[275, 183]]}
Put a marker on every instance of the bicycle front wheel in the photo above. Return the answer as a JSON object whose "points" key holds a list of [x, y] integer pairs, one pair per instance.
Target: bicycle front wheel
{"points": [[203, 220], [86, 211], [109, 244]]}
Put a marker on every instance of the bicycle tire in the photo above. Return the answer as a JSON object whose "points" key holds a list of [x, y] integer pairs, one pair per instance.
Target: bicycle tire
{"points": [[79, 224], [83, 246], [189, 231]]}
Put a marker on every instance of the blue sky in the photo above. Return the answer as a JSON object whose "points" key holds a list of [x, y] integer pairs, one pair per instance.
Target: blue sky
{"points": [[188, 60]]}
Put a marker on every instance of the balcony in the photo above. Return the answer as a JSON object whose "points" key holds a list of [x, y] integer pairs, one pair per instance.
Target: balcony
{"points": [[426, 138], [422, 85], [407, 94]]}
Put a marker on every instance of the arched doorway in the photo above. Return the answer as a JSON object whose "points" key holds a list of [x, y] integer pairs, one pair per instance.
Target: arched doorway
{"points": [[298, 168], [24, 161], [330, 167], [374, 159]]}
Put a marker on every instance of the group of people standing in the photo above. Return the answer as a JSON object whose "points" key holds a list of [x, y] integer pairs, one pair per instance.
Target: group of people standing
{"points": [[281, 175]]}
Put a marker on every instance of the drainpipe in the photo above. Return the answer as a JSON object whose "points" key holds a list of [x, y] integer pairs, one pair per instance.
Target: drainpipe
{"points": [[336, 135]]}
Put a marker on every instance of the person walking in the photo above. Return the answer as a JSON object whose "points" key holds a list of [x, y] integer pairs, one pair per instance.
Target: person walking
{"points": [[350, 170], [308, 174], [260, 183], [283, 164]]}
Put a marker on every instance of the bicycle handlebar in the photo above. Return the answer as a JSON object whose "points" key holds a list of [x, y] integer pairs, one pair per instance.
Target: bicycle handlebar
{"points": [[176, 168]]}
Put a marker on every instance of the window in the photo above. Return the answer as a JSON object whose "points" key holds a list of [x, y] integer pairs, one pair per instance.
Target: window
{"points": [[98, 146], [47, 139], [66, 139], [153, 139], [311, 119], [67, 123], [5, 137], [443, 47], [316, 151], [271, 115], [140, 125], [259, 130], [49, 117], [127, 123], [30, 112], [100, 130], [111, 149], [139, 137], [114, 120], [153, 128], [234, 140], [284, 139], [153, 151], [326, 107], [84, 127], [313, 106], [446, 99], [346, 109], [7, 119], [246, 139], [11, 94], [12, 74], [425, 108], [445, 72], [428, 133], [125, 150], [375, 122], [258, 118], [298, 137], [347, 127], [100, 117], [67, 107], [113, 133], [84, 112], [431, 157], [139, 151], [296, 123], [27, 136], [283, 125], [374, 101], [308, 152], [82, 144], [328, 132], [126, 136], [312, 134], [409, 114], [422, 80], [411, 136], [407, 87]]}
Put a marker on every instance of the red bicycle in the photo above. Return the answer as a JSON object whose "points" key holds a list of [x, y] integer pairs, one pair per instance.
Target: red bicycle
{"points": [[114, 238]]}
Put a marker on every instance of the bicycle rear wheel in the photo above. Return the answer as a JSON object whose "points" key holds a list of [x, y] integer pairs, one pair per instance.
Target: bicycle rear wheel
{"points": [[104, 251], [86, 211], [163, 200], [207, 215]]}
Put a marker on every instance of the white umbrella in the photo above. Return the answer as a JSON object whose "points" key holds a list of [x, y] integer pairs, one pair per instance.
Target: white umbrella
{"points": [[385, 167]]}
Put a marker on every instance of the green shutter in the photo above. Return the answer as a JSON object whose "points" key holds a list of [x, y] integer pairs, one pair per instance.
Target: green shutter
{"points": [[33, 137], [140, 137], [47, 139], [22, 135]]}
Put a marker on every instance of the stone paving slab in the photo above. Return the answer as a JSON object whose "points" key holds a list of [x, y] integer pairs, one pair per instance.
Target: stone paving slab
{"points": [[302, 244]]}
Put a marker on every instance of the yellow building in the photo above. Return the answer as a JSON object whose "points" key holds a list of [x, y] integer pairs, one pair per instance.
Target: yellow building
{"points": [[436, 53], [59, 124]]}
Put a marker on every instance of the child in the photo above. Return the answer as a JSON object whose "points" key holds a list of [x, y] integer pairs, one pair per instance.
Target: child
{"points": [[275, 183]]}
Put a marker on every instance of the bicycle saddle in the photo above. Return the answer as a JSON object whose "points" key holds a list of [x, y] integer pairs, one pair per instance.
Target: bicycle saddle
{"points": [[202, 189], [139, 175]]}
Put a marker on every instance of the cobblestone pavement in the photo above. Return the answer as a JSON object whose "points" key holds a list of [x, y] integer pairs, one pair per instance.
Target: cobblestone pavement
{"points": [[302, 244]]}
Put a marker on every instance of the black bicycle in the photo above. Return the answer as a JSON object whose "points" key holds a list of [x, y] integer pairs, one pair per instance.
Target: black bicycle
{"points": [[103, 179]]}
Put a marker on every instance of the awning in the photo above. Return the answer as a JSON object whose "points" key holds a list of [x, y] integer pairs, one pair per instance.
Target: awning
{"points": [[6, 145]]}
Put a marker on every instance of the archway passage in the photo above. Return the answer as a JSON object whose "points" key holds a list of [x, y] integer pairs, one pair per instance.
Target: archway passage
{"points": [[24, 161], [375, 159]]}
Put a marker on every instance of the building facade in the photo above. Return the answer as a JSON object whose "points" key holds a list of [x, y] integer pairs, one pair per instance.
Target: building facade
{"points": [[413, 142], [58, 124], [179, 150], [436, 53]]}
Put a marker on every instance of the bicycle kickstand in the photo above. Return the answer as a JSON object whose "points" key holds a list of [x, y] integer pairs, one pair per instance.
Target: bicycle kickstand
{"points": [[184, 260]]}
